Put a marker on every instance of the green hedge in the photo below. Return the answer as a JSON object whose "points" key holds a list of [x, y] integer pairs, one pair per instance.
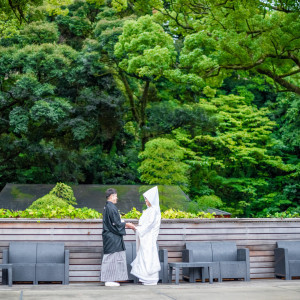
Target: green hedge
{"points": [[52, 212], [171, 214]]}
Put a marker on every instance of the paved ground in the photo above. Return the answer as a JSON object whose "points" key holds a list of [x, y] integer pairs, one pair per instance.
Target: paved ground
{"points": [[273, 289]]}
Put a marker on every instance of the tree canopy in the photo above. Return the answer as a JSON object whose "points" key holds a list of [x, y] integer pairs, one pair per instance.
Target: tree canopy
{"points": [[203, 94]]}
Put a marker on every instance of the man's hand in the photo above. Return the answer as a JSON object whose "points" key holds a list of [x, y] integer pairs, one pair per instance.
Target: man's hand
{"points": [[130, 225]]}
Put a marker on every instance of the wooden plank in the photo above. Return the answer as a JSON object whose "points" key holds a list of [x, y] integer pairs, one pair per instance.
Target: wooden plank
{"points": [[175, 254], [260, 264], [76, 279], [65, 225], [261, 253], [241, 238], [84, 267], [269, 247], [277, 224], [85, 255], [274, 236], [172, 248], [82, 261], [83, 244], [262, 270], [84, 273], [257, 242], [84, 249], [255, 231], [262, 276], [174, 259], [261, 258], [167, 243], [46, 231], [24, 237], [164, 243], [161, 242]]}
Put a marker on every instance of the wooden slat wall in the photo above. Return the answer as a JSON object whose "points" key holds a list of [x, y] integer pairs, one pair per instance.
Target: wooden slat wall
{"points": [[83, 239]]}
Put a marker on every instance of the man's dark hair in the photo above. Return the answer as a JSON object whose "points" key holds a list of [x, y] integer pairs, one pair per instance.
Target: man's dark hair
{"points": [[110, 192]]}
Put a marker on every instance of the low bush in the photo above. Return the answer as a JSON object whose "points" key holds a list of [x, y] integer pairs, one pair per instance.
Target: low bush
{"points": [[133, 214], [171, 214], [70, 212], [48, 200], [61, 196], [64, 192], [177, 214], [284, 215], [52, 212]]}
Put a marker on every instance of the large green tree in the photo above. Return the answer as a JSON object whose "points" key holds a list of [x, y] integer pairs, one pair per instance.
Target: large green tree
{"points": [[138, 52], [146, 52], [220, 37], [85, 85], [60, 121], [162, 163], [236, 160]]}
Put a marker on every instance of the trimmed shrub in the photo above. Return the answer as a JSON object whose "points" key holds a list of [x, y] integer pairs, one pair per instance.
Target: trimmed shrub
{"points": [[48, 200], [64, 192]]}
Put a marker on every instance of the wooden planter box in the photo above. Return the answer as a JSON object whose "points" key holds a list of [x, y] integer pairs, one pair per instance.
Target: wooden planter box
{"points": [[83, 239]]}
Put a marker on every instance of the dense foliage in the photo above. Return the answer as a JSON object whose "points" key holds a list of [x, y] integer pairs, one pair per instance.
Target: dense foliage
{"points": [[201, 94], [49, 200], [61, 196], [54, 212], [64, 192], [171, 214]]}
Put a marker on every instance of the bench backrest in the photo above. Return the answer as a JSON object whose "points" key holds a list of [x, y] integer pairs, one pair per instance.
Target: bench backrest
{"points": [[22, 252], [224, 251], [201, 250], [293, 248], [50, 253]]}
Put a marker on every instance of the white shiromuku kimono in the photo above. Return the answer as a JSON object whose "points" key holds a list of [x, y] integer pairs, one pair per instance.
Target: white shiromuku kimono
{"points": [[146, 264]]}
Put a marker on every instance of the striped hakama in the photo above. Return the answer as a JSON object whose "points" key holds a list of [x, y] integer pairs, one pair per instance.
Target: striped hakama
{"points": [[114, 267]]}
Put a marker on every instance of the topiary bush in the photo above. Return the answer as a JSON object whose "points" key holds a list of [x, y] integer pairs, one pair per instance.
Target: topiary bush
{"points": [[61, 196], [64, 192], [49, 200]]}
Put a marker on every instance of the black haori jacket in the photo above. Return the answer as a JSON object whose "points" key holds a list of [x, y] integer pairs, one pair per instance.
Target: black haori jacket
{"points": [[113, 230]]}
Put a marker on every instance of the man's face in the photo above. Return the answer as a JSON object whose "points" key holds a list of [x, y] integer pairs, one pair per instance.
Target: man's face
{"points": [[113, 198]]}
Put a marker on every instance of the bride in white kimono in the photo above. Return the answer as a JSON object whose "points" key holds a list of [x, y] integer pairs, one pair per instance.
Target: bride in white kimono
{"points": [[146, 264]]}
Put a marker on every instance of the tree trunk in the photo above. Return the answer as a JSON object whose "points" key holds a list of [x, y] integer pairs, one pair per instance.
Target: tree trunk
{"points": [[144, 101]]}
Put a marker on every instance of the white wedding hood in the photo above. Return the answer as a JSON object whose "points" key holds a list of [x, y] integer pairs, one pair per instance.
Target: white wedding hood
{"points": [[153, 197]]}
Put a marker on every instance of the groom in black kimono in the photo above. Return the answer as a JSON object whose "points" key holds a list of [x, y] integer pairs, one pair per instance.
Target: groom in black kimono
{"points": [[114, 267]]}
